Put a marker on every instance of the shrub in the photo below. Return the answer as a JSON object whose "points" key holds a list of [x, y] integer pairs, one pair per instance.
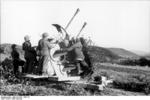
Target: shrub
{"points": [[133, 62], [7, 71], [137, 83], [144, 62]]}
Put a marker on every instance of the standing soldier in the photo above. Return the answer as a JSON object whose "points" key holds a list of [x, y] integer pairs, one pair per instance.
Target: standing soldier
{"points": [[79, 57], [29, 56], [44, 47], [16, 59]]}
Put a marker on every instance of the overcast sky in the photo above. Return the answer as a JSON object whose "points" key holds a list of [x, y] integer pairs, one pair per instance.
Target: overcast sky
{"points": [[123, 24]]}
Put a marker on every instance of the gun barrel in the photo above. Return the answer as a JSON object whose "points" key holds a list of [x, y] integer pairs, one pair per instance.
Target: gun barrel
{"points": [[72, 18], [81, 29]]}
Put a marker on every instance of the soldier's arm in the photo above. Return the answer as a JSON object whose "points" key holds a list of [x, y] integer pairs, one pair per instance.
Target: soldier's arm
{"points": [[50, 45], [77, 45], [38, 47], [23, 46]]}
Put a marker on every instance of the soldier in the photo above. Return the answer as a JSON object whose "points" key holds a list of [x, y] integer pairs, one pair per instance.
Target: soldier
{"points": [[79, 58], [29, 55], [16, 59], [89, 69], [44, 47]]}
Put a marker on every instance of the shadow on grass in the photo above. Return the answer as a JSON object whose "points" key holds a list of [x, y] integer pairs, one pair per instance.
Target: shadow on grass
{"points": [[49, 84], [133, 86]]}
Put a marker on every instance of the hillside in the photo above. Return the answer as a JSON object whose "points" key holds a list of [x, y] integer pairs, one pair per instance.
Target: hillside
{"points": [[123, 53], [100, 54], [6, 48], [5, 51], [97, 54], [147, 56]]}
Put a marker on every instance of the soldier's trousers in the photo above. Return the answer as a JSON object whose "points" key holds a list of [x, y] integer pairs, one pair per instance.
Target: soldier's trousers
{"points": [[81, 65], [29, 65], [16, 64]]}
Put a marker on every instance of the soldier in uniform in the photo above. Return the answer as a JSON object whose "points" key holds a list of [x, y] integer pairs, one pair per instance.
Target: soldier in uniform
{"points": [[16, 59], [44, 47], [29, 55], [75, 54], [79, 56], [89, 69]]}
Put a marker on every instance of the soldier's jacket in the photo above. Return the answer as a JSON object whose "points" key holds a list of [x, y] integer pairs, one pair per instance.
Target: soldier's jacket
{"points": [[28, 49], [44, 46], [15, 55], [76, 53]]}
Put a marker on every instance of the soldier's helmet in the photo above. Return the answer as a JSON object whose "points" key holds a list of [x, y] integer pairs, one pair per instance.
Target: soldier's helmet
{"points": [[13, 46], [44, 35], [26, 38]]}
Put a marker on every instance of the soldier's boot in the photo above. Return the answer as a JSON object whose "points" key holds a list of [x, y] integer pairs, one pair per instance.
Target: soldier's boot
{"points": [[79, 69]]}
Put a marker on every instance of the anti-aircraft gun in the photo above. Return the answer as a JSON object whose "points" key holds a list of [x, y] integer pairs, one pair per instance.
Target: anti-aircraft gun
{"points": [[99, 82], [70, 66]]}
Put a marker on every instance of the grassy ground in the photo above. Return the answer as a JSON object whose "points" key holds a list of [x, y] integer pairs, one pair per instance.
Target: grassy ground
{"points": [[48, 88], [127, 81], [128, 78]]}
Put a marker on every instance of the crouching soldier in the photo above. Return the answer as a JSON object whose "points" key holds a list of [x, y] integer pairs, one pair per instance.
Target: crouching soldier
{"points": [[16, 60]]}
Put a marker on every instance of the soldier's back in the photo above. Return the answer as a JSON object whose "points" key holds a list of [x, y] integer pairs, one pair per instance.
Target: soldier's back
{"points": [[43, 47]]}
